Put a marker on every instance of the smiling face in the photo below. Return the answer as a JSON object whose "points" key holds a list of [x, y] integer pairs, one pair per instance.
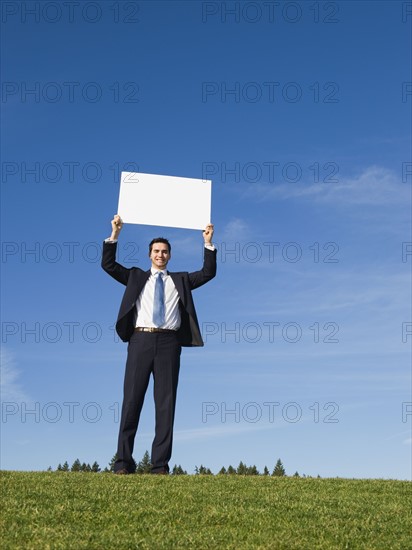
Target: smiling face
{"points": [[159, 255]]}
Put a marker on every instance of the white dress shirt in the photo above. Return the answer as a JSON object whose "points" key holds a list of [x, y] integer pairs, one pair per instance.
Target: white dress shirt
{"points": [[144, 304]]}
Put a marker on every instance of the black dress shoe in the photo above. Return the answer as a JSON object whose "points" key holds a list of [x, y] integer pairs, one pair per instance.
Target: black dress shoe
{"points": [[122, 472], [163, 472]]}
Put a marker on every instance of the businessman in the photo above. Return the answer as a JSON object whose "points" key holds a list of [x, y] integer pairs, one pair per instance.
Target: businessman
{"points": [[157, 317]]}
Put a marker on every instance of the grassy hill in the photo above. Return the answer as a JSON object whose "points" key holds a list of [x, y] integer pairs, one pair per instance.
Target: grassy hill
{"points": [[54, 510]]}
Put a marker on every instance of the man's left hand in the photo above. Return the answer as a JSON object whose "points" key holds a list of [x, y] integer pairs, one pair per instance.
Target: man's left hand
{"points": [[208, 233]]}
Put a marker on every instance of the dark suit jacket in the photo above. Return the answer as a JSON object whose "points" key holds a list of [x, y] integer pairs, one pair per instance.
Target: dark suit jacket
{"points": [[135, 278]]}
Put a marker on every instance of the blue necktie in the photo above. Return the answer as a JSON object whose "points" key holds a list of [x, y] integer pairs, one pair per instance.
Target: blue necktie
{"points": [[159, 301]]}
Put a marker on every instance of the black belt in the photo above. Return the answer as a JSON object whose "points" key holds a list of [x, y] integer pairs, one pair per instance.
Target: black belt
{"points": [[153, 329]]}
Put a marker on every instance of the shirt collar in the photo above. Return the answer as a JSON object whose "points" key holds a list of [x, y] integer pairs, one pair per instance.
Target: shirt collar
{"points": [[155, 271]]}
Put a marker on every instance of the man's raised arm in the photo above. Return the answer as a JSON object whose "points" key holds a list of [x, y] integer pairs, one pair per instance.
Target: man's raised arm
{"points": [[117, 225], [109, 263], [208, 271]]}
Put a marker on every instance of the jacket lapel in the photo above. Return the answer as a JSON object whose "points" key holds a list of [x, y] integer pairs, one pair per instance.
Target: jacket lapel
{"points": [[141, 281], [178, 281]]}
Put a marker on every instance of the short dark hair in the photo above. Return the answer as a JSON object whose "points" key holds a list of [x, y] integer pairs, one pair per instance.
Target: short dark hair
{"points": [[159, 240]]}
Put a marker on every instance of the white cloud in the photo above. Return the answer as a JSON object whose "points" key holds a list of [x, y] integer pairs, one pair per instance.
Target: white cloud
{"points": [[407, 441], [10, 388], [222, 430], [235, 230], [374, 186], [352, 289]]}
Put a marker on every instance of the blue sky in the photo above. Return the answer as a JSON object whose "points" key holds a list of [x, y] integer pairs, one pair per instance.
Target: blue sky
{"points": [[300, 114]]}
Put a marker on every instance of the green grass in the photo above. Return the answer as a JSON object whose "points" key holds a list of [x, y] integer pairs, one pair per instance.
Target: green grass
{"points": [[54, 510]]}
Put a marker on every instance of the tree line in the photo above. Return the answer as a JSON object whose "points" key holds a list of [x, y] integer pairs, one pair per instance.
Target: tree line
{"points": [[144, 467]]}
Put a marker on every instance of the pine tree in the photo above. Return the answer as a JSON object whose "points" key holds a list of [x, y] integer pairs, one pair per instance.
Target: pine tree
{"points": [[59, 467], [85, 467], [178, 471], [252, 471], [144, 466], [202, 470], [76, 466], [296, 474], [65, 467], [279, 470], [231, 470], [111, 463], [241, 469], [95, 467], [265, 471], [222, 471]]}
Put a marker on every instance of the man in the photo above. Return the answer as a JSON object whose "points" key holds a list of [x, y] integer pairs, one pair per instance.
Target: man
{"points": [[156, 317]]}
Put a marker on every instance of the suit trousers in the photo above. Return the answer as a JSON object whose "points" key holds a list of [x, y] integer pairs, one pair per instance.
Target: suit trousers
{"points": [[156, 353]]}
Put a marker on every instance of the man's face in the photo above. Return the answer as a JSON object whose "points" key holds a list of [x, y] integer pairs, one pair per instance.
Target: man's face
{"points": [[159, 255]]}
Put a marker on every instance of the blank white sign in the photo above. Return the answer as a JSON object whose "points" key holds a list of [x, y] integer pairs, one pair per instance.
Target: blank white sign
{"points": [[151, 199]]}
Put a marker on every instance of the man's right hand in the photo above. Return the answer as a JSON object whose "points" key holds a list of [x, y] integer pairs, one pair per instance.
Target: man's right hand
{"points": [[117, 225]]}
